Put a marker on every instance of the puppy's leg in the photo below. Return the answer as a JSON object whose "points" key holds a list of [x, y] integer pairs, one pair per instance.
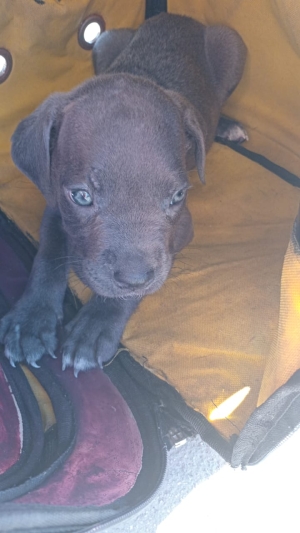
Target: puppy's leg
{"points": [[230, 130], [28, 331], [94, 334], [109, 46]]}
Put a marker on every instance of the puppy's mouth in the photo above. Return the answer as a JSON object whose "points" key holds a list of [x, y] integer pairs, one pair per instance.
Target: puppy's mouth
{"points": [[111, 290], [110, 287]]}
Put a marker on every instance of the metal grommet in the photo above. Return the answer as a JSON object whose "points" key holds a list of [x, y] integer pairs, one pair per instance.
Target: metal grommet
{"points": [[5, 64], [89, 30]]}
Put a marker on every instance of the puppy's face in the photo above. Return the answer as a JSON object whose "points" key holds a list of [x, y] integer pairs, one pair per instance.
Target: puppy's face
{"points": [[111, 156], [120, 183]]}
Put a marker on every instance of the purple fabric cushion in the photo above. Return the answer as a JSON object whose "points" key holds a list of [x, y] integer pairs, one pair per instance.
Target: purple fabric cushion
{"points": [[108, 454], [10, 426]]}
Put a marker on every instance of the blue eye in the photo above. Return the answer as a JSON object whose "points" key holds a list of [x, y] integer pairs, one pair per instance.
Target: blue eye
{"points": [[81, 197], [178, 197]]}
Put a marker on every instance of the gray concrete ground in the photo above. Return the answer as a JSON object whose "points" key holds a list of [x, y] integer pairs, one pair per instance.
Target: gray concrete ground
{"points": [[202, 494], [188, 465]]}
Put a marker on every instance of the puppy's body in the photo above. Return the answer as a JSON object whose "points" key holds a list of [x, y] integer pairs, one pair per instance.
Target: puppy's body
{"points": [[111, 158], [202, 64]]}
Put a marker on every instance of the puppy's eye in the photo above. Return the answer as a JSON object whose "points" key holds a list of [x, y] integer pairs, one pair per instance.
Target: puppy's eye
{"points": [[81, 197], [178, 197]]}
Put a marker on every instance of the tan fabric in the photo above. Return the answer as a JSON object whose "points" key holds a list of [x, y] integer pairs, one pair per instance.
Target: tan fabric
{"points": [[42, 39], [224, 317], [210, 329], [267, 99], [284, 357]]}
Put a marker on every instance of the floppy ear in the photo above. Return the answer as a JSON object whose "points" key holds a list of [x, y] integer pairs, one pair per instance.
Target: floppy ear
{"points": [[183, 231], [195, 144], [33, 140]]}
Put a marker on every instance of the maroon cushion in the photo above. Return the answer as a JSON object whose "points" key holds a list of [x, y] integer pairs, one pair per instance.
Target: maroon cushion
{"points": [[108, 453]]}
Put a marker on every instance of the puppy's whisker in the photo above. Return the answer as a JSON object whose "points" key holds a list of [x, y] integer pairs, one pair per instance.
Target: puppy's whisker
{"points": [[68, 263], [61, 257]]}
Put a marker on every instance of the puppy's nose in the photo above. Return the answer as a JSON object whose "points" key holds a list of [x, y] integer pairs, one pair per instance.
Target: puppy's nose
{"points": [[131, 279]]}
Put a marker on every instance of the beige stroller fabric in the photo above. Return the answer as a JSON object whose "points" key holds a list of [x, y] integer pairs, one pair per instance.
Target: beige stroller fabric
{"points": [[42, 39], [211, 331], [267, 99]]}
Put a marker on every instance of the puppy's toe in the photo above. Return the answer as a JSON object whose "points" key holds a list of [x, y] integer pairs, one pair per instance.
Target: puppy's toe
{"points": [[237, 134], [80, 362], [28, 333], [13, 350], [33, 349], [230, 130], [106, 348], [79, 355], [87, 351]]}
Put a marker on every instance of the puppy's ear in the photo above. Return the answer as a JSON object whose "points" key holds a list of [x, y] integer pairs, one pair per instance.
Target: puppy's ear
{"points": [[183, 231], [33, 139], [195, 144]]}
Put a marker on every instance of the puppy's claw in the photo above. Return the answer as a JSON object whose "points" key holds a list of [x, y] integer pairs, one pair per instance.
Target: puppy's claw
{"points": [[12, 363], [35, 365], [76, 372], [52, 354], [66, 362]]}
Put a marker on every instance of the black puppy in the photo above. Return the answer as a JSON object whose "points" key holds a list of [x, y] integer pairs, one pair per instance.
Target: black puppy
{"points": [[111, 158]]}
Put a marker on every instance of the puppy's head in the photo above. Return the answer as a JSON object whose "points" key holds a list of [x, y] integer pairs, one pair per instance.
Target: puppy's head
{"points": [[111, 158]]}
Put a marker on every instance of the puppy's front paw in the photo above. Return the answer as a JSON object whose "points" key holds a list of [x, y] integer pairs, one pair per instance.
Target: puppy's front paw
{"points": [[230, 130], [28, 332], [94, 334], [91, 341]]}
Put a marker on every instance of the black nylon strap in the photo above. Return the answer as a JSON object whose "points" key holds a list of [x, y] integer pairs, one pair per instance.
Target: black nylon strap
{"points": [[62, 406], [281, 172], [41, 454], [33, 433], [154, 7]]}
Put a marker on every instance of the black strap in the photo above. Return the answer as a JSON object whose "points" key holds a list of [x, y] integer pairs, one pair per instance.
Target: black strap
{"points": [[42, 454], [33, 433], [62, 406], [154, 7], [281, 172]]}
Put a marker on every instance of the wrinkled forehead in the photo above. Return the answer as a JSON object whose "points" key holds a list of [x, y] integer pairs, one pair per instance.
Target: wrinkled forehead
{"points": [[123, 131]]}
